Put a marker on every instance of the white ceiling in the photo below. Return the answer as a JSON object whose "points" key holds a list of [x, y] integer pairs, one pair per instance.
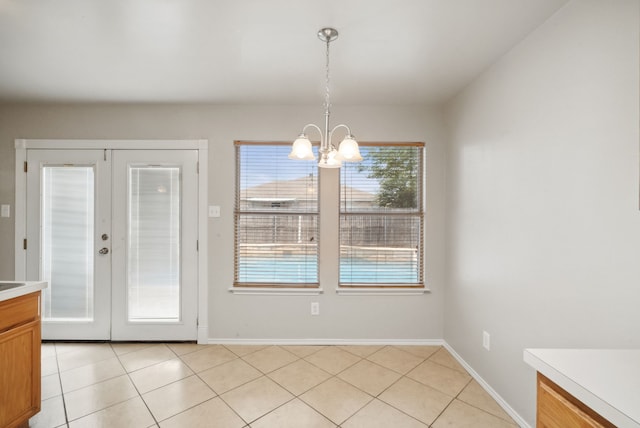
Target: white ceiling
{"points": [[254, 51]]}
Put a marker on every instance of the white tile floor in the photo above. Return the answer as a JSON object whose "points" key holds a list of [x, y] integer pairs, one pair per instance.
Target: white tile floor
{"points": [[187, 385]]}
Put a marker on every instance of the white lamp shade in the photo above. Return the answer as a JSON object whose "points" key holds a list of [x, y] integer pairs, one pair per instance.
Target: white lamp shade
{"points": [[349, 151], [331, 160], [301, 149]]}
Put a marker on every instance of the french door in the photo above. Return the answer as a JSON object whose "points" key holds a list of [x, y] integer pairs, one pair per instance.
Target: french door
{"points": [[115, 234]]}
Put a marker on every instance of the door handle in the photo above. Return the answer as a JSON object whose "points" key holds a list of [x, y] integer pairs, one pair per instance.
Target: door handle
{"points": [[104, 250]]}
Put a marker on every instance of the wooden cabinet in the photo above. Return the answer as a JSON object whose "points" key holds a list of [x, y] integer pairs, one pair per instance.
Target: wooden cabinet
{"points": [[559, 409], [19, 360]]}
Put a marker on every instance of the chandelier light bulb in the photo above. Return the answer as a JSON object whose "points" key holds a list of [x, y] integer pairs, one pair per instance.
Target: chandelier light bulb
{"points": [[301, 149], [330, 160], [349, 150]]}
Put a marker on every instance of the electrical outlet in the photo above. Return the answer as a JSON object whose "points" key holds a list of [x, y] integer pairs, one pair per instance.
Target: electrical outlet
{"points": [[486, 340], [315, 308]]}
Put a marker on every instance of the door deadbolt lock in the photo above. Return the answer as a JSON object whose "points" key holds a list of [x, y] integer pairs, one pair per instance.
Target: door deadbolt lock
{"points": [[104, 251], [105, 236]]}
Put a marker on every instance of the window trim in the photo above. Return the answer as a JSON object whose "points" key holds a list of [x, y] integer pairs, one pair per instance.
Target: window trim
{"points": [[382, 291], [276, 291]]}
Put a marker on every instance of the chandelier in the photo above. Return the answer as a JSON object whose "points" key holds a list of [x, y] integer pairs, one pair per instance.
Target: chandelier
{"points": [[330, 157]]}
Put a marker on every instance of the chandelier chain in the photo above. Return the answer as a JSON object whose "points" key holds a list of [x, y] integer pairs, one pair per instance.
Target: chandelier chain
{"points": [[327, 94]]}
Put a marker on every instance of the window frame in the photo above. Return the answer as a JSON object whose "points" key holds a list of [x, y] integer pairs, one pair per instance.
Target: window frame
{"points": [[253, 287], [419, 213], [328, 238]]}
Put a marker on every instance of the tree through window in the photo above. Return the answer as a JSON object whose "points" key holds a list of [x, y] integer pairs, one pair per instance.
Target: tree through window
{"points": [[381, 217]]}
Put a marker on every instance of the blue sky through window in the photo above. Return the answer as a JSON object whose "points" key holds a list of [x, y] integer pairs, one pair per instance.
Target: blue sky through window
{"points": [[275, 165]]}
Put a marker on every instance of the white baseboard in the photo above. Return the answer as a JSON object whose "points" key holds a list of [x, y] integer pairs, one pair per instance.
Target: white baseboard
{"points": [[501, 402], [417, 342], [203, 333]]}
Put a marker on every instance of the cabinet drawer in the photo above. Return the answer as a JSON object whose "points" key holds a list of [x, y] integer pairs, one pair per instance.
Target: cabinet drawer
{"points": [[559, 409], [19, 310]]}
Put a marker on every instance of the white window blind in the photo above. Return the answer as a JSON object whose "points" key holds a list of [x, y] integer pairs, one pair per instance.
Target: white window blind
{"points": [[68, 232], [381, 217], [153, 237], [276, 218]]}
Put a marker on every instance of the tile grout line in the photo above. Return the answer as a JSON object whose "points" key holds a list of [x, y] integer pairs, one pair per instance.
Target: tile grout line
{"points": [[194, 373], [64, 400], [402, 376], [252, 365], [117, 356], [105, 380], [170, 383], [332, 376], [450, 402], [266, 375], [135, 386], [408, 378], [511, 421], [294, 396], [336, 375], [219, 396]]}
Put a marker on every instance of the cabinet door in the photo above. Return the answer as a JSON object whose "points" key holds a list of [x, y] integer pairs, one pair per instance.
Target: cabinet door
{"points": [[559, 409], [19, 374]]}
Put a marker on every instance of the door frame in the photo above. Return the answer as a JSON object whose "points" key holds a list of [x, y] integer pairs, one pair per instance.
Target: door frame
{"points": [[202, 146]]}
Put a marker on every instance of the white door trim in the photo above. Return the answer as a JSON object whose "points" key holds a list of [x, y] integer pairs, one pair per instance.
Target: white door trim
{"points": [[202, 146]]}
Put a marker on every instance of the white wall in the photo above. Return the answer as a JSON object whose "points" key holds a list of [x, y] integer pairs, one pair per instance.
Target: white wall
{"points": [[256, 317], [544, 225]]}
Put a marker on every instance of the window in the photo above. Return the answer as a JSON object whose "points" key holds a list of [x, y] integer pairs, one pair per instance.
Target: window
{"points": [[276, 218], [381, 217]]}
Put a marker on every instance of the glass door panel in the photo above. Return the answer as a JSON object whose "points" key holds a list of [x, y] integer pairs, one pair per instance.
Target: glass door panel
{"points": [[67, 242], [153, 261]]}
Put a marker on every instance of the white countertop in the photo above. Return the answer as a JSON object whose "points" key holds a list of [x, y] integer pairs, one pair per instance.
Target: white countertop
{"points": [[606, 380], [26, 287]]}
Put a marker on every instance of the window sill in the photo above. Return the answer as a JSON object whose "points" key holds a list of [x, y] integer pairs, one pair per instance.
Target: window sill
{"points": [[363, 291], [274, 291]]}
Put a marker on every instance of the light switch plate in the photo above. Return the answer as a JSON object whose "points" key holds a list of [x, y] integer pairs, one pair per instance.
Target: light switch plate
{"points": [[486, 340], [5, 210], [214, 210]]}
